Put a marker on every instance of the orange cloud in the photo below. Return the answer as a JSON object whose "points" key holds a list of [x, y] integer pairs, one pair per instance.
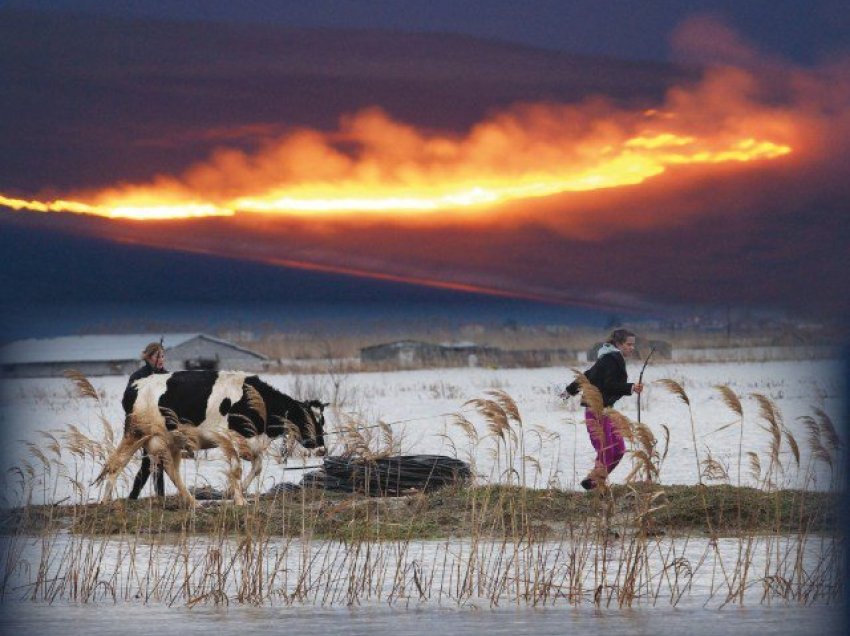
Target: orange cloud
{"points": [[374, 166]]}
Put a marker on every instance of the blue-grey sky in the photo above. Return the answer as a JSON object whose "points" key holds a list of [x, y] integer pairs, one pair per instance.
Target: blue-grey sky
{"points": [[806, 31]]}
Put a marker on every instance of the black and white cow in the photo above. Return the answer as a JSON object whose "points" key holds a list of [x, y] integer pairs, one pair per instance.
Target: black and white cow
{"points": [[169, 412]]}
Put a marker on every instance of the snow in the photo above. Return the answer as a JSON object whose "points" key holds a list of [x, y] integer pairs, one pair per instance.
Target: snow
{"points": [[421, 406]]}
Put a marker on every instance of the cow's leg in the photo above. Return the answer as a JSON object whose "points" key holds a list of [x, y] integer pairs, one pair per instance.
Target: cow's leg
{"points": [[234, 448], [235, 474], [117, 462], [253, 450], [164, 447], [256, 465], [108, 488]]}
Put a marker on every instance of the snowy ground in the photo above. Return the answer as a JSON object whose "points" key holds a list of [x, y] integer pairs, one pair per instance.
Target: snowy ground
{"points": [[420, 407]]}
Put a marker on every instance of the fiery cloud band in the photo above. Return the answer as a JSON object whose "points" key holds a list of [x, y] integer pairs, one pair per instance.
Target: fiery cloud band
{"points": [[374, 166]]}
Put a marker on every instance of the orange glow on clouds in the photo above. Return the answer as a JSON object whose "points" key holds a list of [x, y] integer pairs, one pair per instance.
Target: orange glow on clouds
{"points": [[374, 166], [640, 158], [128, 210]]}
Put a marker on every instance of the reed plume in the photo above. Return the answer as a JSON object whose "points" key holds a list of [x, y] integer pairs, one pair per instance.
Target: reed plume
{"points": [[590, 395], [256, 402], [792, 444], [81, 382], [770, 414], [507, 404], [622, 425], [733, 402], [53, 444], [647, 452], [467, 427], [731, 399], [678, 390], [828, 428], [494, 415], [755, 466], [817, 448], [675, 388], [713, 469]]}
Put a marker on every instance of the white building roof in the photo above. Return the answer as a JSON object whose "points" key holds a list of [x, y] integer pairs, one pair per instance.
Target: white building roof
{"points": [[399, 344], [96, 348]]}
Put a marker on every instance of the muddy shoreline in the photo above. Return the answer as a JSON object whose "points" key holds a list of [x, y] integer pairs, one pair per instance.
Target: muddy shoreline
{"points": [[484, 511]]}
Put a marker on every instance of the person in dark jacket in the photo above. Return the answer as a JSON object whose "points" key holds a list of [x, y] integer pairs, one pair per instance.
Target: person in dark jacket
{"points": [[154, 362], [608, 374]]}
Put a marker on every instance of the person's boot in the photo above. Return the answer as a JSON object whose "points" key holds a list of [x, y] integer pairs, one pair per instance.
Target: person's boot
{"points": [[594, 478]]}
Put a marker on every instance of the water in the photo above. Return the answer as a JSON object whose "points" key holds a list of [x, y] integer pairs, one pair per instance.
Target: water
{"points": [[131, 619], [169, 571], [151, 599]]}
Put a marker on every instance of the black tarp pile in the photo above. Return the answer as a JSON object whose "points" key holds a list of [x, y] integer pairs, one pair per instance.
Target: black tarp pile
{"points": [[207, 493], [388, 476]]}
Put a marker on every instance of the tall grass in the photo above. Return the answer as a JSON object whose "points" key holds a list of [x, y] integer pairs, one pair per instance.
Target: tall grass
{"points": [[510, 538]]}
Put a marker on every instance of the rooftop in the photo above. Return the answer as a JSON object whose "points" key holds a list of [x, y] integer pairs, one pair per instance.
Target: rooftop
{"points": [[95, 348]]}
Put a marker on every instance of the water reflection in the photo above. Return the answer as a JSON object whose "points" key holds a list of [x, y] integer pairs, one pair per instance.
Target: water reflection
{"points": [[132, 619]]}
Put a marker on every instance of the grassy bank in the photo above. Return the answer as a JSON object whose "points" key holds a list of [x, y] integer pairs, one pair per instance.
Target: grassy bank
{"points": [[492, 512]]}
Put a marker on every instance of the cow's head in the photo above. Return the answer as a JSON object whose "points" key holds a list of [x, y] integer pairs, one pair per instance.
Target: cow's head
{"points": [[314, 435]]}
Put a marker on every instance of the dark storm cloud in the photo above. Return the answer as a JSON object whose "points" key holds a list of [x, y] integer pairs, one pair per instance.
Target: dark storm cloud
{"points": [[95, 100], [801, 31]]}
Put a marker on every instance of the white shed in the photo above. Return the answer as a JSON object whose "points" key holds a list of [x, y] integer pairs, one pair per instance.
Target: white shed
{"points": [[121, 354]]}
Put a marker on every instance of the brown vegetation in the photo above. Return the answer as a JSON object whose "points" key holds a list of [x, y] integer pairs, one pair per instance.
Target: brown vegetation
{"points": [[499, 512]]}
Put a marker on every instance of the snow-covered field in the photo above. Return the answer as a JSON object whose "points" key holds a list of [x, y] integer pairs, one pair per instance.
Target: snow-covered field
{"points": [[420, 407]]}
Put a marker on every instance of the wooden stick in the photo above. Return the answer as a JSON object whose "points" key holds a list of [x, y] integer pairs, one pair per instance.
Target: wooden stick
{"points": [[640, 378]]}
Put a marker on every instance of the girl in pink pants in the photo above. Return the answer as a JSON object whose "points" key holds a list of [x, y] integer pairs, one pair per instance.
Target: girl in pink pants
{"points": [[608, 375], [608, 444]]}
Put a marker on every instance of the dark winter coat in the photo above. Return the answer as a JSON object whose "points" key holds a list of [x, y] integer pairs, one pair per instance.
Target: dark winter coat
{"points": [[608, 374]]}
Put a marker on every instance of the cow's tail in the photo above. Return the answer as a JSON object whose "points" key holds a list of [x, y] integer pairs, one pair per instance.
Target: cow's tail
{"points": [[120, 457]]}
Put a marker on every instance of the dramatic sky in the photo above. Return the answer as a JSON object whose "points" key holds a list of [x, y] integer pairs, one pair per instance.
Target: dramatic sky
{"points": [[623, 156]]}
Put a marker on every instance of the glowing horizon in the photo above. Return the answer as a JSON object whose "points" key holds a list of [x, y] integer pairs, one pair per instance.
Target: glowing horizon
{"points": [[447, 176]]}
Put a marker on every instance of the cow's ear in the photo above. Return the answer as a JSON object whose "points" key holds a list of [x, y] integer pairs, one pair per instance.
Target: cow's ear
{"points": [[325, 404]]}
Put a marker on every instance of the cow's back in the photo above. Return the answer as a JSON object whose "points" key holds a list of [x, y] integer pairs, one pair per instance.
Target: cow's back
{"points": [[187, 394], [191, 395]]}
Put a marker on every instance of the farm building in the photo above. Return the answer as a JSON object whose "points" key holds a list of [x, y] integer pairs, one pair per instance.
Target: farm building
{"points": [[121, 355], [405, 353], [530, 358], [468, 353], [411, 353]]}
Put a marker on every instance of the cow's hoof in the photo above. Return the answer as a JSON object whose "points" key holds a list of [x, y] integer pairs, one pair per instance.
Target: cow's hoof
{"points": [[190, 503], [115, 504]]}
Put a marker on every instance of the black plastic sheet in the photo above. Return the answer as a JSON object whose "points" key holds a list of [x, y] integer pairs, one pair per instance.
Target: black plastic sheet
{"points": [[388, 476]]}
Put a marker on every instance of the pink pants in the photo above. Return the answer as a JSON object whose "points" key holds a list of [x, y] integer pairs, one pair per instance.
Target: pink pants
{"points": [[609, 444]]}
